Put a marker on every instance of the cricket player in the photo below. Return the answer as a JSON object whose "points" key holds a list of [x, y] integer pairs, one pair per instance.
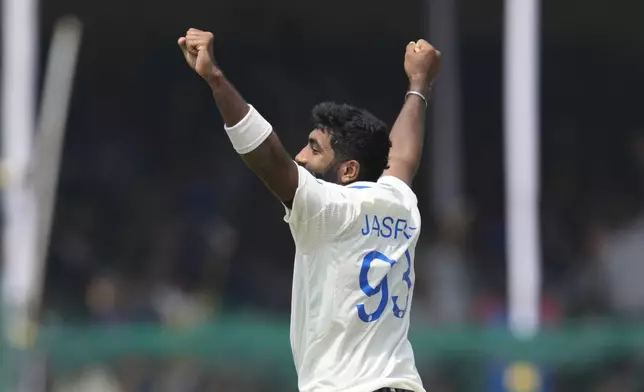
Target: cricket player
{"points": [[354, 220]]}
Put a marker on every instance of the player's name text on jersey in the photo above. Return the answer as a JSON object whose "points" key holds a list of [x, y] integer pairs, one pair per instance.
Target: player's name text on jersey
{"points": [[386, 227]]}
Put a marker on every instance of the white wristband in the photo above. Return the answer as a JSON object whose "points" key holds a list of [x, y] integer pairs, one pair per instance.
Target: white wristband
{"points": [[250, 132]]}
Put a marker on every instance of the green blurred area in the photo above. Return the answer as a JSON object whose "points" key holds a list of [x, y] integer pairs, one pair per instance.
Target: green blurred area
{"points": [[579, 356]]}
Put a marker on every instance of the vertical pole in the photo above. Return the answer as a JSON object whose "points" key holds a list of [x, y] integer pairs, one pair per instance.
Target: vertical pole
{"points": [[446, 144], [19, 62], [521, 123], [17, 287]]}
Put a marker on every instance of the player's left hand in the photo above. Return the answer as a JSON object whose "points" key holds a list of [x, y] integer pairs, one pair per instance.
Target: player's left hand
{"points": [[422, 62], [197, 47]]}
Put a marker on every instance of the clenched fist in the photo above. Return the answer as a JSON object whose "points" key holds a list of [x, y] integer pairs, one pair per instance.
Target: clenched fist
{"points": [[422, 63], [197, 48]]}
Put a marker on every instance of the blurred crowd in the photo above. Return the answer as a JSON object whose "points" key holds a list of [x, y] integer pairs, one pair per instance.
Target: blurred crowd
{"points": [[158, 221], [155, 210]]}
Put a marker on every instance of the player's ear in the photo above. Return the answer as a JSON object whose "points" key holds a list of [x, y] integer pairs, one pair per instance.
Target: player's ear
{"points": [[349, 171]]}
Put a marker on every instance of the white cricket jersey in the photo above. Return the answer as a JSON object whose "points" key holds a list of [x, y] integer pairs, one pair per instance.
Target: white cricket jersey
{"points": [[352, 284]]}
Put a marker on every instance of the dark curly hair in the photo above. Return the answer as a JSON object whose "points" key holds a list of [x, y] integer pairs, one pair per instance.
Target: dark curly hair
{"points": [[357, 135]]}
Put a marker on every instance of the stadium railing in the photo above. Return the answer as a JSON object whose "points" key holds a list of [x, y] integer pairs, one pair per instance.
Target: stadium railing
{"points": [[467, 355]]}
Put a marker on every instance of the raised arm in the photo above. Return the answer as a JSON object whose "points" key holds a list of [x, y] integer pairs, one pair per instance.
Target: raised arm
{"points": [[422, 63], [251, 135]]}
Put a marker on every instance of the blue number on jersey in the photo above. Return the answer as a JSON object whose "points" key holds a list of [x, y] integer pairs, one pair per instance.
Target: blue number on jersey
{"points": [[400, 313], [381, 287]]}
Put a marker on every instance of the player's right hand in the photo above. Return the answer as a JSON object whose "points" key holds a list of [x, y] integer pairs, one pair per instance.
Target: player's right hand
{"points": [[198, 50], [422, 62]]}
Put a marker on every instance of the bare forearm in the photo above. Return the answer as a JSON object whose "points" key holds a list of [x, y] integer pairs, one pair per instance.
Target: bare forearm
{"points": [[250, 134], [408, 134], [422, 62], [270, 161], [231, 104], [281, 175]]}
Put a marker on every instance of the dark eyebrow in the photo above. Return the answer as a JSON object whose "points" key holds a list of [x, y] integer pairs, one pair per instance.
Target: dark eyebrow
{"points": [[314, 143]]}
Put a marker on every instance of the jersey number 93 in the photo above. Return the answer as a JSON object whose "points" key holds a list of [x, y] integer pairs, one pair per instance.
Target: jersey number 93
{"points": [[381, 288]]}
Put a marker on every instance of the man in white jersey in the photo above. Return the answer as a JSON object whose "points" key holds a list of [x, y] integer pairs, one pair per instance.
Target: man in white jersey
{"points": [[354, 220]]}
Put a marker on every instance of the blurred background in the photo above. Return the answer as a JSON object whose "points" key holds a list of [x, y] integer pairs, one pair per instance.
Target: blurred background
{"points": [[169, 267]]}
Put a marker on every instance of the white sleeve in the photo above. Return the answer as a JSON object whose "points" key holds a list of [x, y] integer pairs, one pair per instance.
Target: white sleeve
{"points": [[320, 209], [399, 187]]}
